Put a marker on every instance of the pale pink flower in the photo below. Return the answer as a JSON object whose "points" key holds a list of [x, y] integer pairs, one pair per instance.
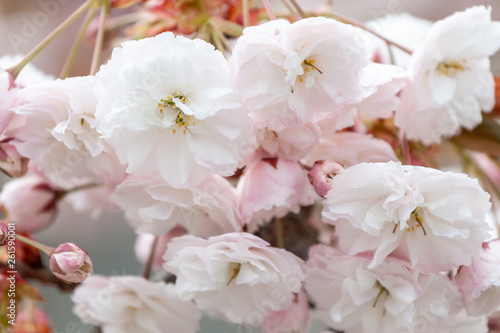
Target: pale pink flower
{"points": [[291, 143], [11, 162], [298, 73], [291, 320], [56, 129], [451, 77], [30, 201], [480, 282], [352, 298], [237, 274], [409, 212], [351, 148], [151, 205], [382, 84], [144, 244], [177, 93], [70, 263], [272, 187], [131, 304]]}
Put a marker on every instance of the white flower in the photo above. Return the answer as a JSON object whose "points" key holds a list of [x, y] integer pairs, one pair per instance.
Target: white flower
{"points": [[352, 298], [291, 74], [452, 80], [58, 132], [410, 212], [130, 304], [169, 106], [153, 206], [237, 274]]}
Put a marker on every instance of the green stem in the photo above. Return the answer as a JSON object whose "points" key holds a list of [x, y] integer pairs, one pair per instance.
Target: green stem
{"points": [[70, 60], [100, 39], [44, 248], [46, 41]]}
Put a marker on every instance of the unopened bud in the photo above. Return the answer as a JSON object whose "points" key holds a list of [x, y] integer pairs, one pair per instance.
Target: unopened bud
{"points": [[321, 175], [70, 263], [4, 233]]}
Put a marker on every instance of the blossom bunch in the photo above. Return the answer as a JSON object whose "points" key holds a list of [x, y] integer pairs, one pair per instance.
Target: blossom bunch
{"points": [[278, 172]]}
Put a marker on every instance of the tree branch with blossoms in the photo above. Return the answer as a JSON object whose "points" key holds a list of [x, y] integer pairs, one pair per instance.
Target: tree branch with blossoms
{"points": [[280, 169]]}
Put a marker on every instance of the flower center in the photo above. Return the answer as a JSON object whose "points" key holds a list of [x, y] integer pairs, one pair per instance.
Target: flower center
{"points": [[415, 221], [234, 269], [308, 65], [382, 292], [181, 121], [451, 68]]}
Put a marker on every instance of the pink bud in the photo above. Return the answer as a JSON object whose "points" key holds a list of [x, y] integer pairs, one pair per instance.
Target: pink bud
{"points": [[4, 233], [70, 263], [30, 201], [321, 175]]}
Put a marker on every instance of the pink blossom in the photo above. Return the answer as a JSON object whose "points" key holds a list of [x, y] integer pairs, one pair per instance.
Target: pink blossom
{"points": [[4, 233], [272, 187], [132, 304], [350, 148], [70, 263], [293, 319], [480, 281], [237, 274], [153, 206], [30, 201]]}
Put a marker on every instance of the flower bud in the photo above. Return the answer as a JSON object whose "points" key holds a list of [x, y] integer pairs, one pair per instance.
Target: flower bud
{"points": [[4, 233], [70, 263], [321, 175], [30, 201]]}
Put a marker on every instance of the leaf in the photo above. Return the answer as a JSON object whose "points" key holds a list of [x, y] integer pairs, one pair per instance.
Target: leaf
{"points": [[484, 138]]}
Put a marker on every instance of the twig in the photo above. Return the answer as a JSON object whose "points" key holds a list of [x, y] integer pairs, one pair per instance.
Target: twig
{"points": [[278, 229], [362, 26], [15, 70], [146, 271], [68, 64], [269, 10], [42, 275], [99, 42]]}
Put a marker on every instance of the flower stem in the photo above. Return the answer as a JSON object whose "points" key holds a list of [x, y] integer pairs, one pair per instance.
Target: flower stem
{"points": [[362, 26], [44, 248], [269, 10], [146, 271], [291, 9], [99, 42], [46, 41], [405, 147], [278, 229], [246, 13], [70, 60]]}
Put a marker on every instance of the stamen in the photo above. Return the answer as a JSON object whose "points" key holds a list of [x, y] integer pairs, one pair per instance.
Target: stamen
{"points": [[236, 269], [450, 68]]}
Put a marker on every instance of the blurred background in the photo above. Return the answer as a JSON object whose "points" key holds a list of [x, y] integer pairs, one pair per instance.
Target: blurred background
{"points": [[108, 238]]}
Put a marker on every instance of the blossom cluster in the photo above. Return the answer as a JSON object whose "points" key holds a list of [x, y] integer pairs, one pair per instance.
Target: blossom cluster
{"points": [[211, 155]]}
